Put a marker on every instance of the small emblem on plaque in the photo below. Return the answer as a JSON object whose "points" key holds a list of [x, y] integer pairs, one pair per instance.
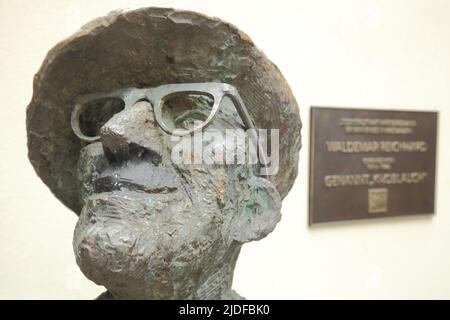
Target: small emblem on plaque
{"points": [[378, 200]]}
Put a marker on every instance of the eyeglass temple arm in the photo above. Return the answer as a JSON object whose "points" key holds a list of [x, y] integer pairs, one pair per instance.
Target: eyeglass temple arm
{"points": [[233, 94]]}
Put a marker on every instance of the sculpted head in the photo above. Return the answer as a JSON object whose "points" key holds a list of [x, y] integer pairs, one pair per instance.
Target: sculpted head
{"points": [[119, 149]]}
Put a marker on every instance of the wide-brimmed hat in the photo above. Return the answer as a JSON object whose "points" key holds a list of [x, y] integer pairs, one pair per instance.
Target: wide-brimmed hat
{"points": [[146, 48]]}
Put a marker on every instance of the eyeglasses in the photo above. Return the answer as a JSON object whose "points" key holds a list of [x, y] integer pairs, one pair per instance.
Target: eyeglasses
{"points": [[99, 107], [158, 97]]}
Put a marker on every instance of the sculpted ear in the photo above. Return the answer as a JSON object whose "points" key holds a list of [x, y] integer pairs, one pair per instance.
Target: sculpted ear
{"points": [[261, 211]]}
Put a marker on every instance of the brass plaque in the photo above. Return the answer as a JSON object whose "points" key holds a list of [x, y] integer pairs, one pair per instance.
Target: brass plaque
{"points": [[371, 163]]}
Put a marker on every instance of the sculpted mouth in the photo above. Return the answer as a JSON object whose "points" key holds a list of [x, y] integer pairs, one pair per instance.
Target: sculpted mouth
{"points": [[137, 177]]}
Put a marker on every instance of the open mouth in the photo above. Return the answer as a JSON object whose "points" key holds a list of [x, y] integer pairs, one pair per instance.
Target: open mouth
{"points": [[141, 176]]}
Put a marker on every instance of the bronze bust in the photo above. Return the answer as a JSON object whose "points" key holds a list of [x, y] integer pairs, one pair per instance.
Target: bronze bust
{"points": [[100, 130]]}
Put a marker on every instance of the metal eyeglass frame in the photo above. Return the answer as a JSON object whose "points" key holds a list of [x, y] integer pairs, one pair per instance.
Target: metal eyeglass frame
{"points": [[158, 95]]}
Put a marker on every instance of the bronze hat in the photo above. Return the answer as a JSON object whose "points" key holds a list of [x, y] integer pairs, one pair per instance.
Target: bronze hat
{"points": [[145, 48]]}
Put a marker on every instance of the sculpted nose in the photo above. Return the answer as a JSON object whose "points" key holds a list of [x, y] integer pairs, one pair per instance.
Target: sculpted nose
{"points": [[134, 128]]}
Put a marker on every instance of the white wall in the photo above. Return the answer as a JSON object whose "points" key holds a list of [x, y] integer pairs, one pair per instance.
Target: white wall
{"points": [[361, 53]]}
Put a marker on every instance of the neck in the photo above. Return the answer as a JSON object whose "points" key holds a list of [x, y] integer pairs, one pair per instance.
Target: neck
{"points": [[217, 286]]}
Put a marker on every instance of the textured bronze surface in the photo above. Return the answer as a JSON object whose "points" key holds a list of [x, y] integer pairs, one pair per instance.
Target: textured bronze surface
{"points": [[149, 47], [371, 163], [152, 226]]}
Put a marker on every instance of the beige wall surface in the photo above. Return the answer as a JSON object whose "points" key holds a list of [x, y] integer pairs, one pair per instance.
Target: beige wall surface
{"points": [[358, 53]]}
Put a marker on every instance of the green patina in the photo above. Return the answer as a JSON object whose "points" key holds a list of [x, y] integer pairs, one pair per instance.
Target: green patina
{"points": [[253, 206]]}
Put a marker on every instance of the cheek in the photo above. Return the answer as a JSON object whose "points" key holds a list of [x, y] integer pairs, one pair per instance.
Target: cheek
{"points": [[218, 186]]}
